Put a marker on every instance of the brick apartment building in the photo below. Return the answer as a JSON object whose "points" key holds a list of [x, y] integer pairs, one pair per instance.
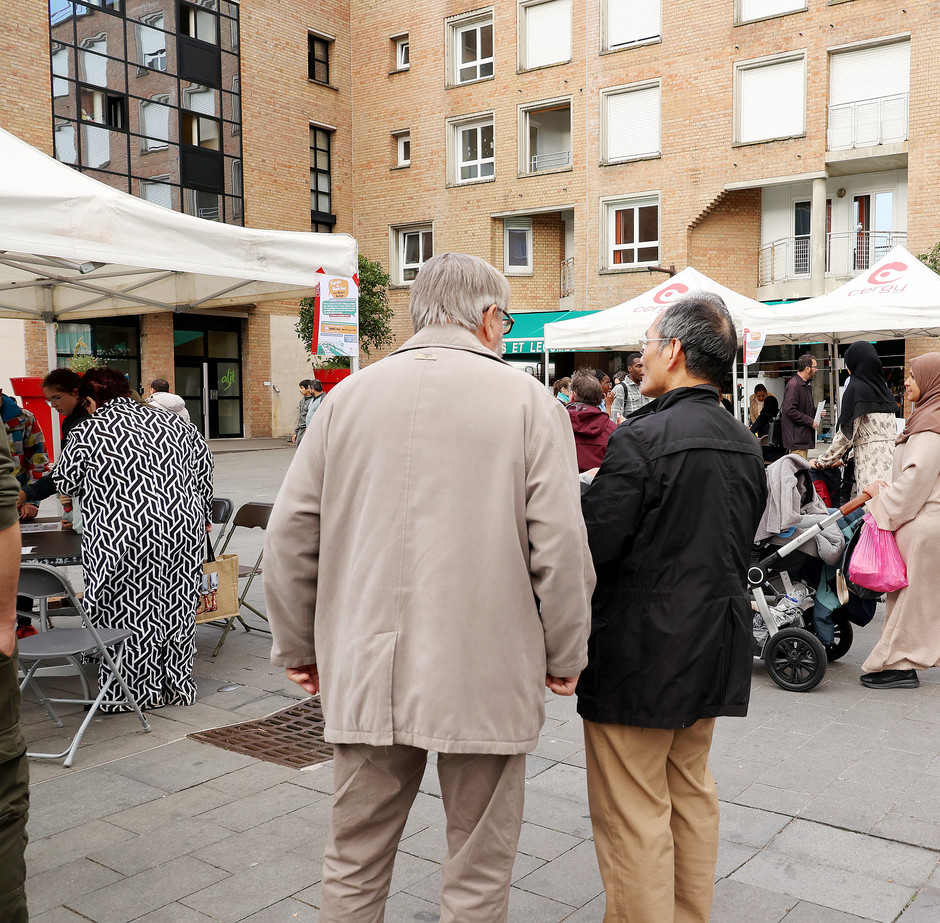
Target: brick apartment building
{"points": [[779, 146]]}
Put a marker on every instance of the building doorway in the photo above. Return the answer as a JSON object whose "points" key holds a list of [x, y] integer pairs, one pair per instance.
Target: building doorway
{"points": [[208, 368]]}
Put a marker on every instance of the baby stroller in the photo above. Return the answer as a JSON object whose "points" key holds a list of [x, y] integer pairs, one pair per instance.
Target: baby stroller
{"points": [[796, 527]]}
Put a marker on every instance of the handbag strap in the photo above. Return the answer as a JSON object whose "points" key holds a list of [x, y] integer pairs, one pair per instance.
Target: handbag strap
{"points": [[210, 553]]}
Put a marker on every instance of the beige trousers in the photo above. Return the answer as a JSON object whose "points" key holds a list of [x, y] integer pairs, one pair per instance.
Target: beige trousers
{"points": [[803, 453], [654, 809], [375, 788]]}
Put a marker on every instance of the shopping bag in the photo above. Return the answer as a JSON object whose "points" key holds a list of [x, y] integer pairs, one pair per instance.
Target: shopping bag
{"points": [[876, 563], [218, 588]]}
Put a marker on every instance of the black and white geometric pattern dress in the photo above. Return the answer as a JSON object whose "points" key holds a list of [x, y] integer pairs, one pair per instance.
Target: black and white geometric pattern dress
{"points": [[144, 482]]}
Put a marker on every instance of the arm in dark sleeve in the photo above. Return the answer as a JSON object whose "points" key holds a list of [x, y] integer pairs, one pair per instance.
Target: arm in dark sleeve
{"points": [[40, 490], [792, 412], [613, 506]]}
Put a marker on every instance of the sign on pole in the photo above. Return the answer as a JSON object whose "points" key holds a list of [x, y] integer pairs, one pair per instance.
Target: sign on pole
{"points": [[753, 344], [337, 328]]}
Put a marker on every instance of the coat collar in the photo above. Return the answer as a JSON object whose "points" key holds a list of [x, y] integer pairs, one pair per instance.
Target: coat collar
{"points": [[448, 336], [704, 394]]}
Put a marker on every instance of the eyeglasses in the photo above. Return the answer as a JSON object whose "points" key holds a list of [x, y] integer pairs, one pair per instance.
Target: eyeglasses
{"points": [[645, 340], [508, 319], [52, 401]]}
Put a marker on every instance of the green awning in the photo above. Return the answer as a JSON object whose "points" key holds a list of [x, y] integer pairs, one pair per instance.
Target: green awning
{"points": [[527, 332]]}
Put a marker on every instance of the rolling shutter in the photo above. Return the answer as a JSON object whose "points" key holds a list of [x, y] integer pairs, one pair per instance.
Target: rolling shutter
{"points": [[633, 119], [547, 33], [760, 9], [884, 70], [632, 21], [772, 101]]}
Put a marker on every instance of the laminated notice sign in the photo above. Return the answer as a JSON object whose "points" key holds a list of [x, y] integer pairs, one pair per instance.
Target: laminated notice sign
{"points": [[753, 344], [338, 317]]}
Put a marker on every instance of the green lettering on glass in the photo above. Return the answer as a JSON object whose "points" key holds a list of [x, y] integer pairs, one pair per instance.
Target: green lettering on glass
{"points": [[228, 379]]}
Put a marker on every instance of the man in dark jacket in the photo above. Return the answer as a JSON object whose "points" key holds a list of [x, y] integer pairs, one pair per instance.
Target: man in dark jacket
{"points": [[671, 517], [798, 416]]}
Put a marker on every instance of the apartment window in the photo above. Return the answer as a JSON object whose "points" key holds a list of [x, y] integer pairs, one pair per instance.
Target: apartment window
{"points": [[632, 22], [473, 150], [403, 148], [631, 122], [64, 139], [321, 195], [412, 247], [60, 70], [402, 49], [202, 204], [236, 105], [546, 136], [472, 48], [770, 99], [517, 246], [155, 123], [632, 229], [151, 42], [157, 190], [749, 10], [199, 23], [103, 108], [237, 190], [318, 58], [546, 28], [869, 90]]}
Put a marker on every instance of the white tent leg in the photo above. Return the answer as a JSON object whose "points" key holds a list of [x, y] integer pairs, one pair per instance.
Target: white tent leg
{"points": [[545, 369], [734, 385], [52, 362], [834, 384]]}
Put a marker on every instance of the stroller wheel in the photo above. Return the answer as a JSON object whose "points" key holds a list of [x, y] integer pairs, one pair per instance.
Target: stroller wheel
{"points": [[795, 659], [842, 640]]}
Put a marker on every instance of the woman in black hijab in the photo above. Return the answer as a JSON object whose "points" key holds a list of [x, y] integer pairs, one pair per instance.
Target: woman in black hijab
{"points": [[866, 422]]}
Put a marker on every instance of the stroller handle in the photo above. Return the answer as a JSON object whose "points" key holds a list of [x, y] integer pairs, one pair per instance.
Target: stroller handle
{"points": [[854, 503]]}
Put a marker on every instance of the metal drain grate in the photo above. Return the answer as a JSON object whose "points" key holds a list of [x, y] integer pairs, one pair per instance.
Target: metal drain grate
{"points": [[291, 737]]}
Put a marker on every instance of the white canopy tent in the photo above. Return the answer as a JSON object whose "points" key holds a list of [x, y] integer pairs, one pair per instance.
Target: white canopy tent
{"points": [[622, 326], [72, 248], [897, 297]]}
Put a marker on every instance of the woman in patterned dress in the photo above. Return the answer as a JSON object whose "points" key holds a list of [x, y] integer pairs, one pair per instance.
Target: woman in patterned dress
{"points": [[866, 421], [143, 478]]}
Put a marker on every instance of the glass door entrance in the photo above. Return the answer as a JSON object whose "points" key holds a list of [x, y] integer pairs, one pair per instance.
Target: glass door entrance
{"points": [[207, 354]]}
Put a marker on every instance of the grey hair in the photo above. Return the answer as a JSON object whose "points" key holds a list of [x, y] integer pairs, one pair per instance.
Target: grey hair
{"points": [[456, 288], [703, 325]]}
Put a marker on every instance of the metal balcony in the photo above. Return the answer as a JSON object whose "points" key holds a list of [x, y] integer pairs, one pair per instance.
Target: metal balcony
{"points": [[847, 254], [551, 161], [867, 123]]}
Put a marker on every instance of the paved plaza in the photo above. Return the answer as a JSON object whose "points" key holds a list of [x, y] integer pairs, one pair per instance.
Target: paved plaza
{"points": [[830, 801]]}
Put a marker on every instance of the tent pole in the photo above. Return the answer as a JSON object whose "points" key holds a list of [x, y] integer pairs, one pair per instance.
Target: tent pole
{"points": [[741, 402], [51, 363], [834, 384], [545, 369]]}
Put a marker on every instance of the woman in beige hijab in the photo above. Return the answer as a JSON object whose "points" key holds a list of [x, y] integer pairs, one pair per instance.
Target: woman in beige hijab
{"points": [[910, 506]]}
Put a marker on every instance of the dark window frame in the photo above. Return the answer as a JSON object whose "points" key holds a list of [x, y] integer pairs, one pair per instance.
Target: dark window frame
{"points": [[319, 218], [318, 54]]}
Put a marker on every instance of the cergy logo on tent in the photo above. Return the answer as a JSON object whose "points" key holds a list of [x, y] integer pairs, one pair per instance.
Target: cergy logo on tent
{"points": [[670, 293], [884, 280]]}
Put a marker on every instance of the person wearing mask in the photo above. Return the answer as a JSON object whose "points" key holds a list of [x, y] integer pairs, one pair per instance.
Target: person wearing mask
{"points": [[799, 420], [562, 389], [591, 425], [910, 507], [866, 420], [144, 482]]}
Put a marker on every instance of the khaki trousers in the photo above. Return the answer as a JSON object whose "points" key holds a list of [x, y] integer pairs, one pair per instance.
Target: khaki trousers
{"points": [[803, 453], [375, 788], [654, 809]]}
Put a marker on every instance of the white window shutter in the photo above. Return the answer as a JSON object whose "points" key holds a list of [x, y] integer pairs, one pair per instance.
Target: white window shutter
{"points": [[548, 33], [884, 70], [772, 101], [633, 123], [759, 9], [632, 21]]}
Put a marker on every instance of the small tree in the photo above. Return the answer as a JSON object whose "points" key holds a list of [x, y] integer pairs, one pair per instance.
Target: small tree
{"points": [[375, 315], [931, 259]]}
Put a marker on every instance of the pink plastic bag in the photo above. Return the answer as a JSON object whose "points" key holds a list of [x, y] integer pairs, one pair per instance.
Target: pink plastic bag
{"points": [[876, 562]]}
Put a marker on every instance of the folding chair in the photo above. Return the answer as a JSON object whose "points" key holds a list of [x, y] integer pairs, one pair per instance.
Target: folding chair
{"points": [[41, 582], [249, 516], [222, 509]]}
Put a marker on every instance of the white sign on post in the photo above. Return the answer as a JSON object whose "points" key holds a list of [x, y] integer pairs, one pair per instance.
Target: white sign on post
{"points": [[753, 344], [338, 317]]}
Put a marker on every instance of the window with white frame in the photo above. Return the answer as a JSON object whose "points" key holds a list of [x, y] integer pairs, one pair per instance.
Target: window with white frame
{"points": [[631, 22], [155, 123], [517, 246], [631, 121], [749, 10], [151, 42], [631, 226], [770, 98], [473, 150], [402, 148], [545, 136], [402, 52], [471, 47], [869, 89], [412, 247], [546, 32]]}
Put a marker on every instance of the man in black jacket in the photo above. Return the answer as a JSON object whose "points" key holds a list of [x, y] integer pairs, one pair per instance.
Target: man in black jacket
{"points": [[671, 517], [798, 414]]}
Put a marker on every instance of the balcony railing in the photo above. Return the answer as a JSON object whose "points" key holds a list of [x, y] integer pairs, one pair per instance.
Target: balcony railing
{"points": [[868, 122], [847, 253], [549, 161], [567, 277]]}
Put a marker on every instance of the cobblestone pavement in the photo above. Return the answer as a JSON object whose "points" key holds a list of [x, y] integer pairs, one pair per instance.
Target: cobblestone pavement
{"points": [[830, 801]]}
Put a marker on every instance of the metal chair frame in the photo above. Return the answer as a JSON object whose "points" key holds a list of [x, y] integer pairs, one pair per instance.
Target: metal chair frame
{"points": [[41, 581]]}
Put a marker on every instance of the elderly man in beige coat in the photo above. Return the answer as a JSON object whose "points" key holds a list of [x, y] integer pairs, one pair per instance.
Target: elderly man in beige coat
{"points": [[427, 571]]}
